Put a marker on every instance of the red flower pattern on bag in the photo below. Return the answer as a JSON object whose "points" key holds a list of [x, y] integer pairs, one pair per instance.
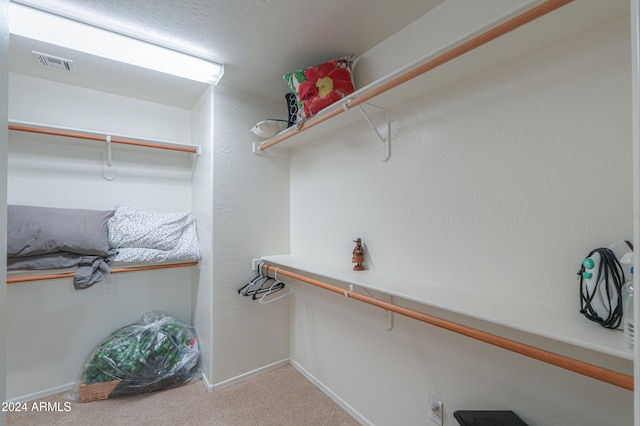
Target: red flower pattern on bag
{"points": [[325, 85]]}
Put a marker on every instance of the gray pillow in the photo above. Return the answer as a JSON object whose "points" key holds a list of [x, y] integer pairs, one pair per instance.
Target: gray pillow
{"points": [[60, 260], [38, 230]]}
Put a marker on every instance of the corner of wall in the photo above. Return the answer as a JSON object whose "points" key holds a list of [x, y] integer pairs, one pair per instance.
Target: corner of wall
{"points": [[250, 220], [202, 207]]}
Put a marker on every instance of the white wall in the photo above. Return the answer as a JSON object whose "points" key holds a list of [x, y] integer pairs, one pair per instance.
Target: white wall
{"points": [[52, 326], [449, 21], [250, 219], [635, 85], [501, 183], [4, 94]]}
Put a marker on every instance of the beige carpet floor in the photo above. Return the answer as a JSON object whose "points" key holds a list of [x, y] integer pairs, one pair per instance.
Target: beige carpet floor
{"points": [[279, 397]]}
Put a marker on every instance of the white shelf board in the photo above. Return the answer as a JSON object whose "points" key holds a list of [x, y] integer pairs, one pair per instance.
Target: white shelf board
{"points": [[557, 324], [566, 20]]}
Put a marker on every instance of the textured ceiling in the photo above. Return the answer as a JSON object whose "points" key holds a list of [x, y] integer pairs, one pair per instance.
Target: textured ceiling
{"points": [[257, 40]]}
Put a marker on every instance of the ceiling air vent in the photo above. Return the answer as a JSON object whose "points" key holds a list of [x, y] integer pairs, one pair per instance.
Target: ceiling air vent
{"points": [[50, 61]]}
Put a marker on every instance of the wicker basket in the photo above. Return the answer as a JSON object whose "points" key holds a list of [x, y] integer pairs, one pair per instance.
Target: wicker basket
{"points": [[97, 391]]}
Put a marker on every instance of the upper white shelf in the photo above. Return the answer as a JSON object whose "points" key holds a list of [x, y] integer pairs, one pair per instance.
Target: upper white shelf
{"points": [[562, 325], [502, 39]]}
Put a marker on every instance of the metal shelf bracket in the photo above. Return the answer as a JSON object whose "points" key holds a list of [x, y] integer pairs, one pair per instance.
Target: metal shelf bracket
{"points": [[388, 315], [383, 135], [108, 168]]}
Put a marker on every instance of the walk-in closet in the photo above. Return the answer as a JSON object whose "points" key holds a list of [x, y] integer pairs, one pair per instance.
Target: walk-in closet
{"points": [[415, 249]]}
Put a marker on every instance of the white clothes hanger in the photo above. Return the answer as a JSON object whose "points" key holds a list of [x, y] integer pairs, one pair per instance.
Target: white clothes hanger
{"points": [[262, 300]]}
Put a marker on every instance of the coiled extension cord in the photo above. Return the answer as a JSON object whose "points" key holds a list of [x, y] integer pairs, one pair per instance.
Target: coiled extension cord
{"points": [[608, 289]]}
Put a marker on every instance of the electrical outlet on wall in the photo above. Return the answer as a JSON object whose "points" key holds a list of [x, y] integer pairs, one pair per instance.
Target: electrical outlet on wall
{"points": [[435, 407]]}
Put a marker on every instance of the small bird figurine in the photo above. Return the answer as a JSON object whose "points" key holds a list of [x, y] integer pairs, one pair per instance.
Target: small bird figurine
{"points": [[358, 255]]}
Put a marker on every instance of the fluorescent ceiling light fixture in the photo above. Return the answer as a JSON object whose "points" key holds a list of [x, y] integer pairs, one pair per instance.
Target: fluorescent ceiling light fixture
{"points": [[54, 29]]}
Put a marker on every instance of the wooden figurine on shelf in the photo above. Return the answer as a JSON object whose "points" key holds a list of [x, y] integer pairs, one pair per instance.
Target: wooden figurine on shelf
{"points": [[358, 256]]}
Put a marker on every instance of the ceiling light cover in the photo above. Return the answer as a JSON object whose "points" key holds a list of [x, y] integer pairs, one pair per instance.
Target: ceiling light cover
{"points": [[57, 30]]}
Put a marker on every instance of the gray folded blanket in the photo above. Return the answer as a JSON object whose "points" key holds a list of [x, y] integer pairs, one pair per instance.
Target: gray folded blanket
{"points": [[41, 238]]}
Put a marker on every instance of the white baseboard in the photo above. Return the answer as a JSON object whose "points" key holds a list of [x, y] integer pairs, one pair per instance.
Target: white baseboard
{"points": [[207, 385], [341, 402], [43, 393], [205, 380], [212, 387]]}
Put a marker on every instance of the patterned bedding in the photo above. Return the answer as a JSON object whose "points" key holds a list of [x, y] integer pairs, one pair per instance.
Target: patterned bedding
{"points": [[41, 238], [152, 237]]}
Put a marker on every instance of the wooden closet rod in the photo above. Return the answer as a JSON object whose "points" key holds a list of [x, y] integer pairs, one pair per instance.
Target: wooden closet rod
{"points": [[113, 271], [590, 370], [97, 137], [441, 59]]}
